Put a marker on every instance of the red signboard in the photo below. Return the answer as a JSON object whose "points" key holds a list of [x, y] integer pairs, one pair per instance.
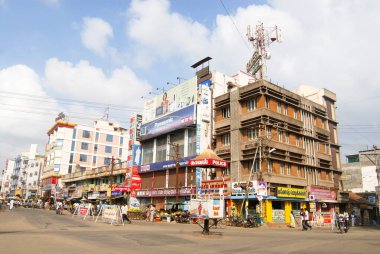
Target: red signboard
{"points": [[208, 163], [83, 210]]}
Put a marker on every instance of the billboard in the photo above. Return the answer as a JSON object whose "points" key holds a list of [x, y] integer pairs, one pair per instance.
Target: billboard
{"points": [[176, 98], [207, 209], [182, 118]]}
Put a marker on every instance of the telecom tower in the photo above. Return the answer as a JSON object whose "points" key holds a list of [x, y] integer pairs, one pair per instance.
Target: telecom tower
{"points": [[261, 38]]}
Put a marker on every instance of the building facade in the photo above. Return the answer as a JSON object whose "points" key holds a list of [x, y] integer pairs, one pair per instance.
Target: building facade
{"points": [[76, 148], [283, 141]]}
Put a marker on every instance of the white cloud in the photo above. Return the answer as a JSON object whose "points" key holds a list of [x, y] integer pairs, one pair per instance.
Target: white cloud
{"points": [[24, 110], [83, 81], [96, 34], [163, 33]]}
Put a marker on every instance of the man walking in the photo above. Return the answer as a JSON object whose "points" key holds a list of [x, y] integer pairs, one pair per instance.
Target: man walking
{"points": [[124, 212], [306, 220]]}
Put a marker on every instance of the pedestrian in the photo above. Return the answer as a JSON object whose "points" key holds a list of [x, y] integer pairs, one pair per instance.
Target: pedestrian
{"points": [[11, 203], [306, 219], [302, 214], [152, 213], [292, 220], [124, 213], [147, 212]]}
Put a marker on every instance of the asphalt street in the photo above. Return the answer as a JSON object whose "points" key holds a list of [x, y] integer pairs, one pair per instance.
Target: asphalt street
{"points": [[28, 231]]}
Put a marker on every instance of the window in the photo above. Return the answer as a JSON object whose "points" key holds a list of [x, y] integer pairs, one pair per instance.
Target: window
{"points": [[280, 135], [281, 168], [279, 107], [267, 102], [36, 164], [32, 165], [268, 131], [82, 169], [192, 141], [288, 169], [299, 170], [251, 104], [287, 137], [226, 140], [121, 140], [83, 157], [86, 134], [108, 149], [295, 113], [70, 169], [161, 145], [107, 161], [35, 173], [109, 138], [94, 159], [297, 140], [31, 174], [285, 109], [34, 183], [178, 137], [74, 133], [84, 146], [147, 152], [97, 136], [270, 166], [96, 147], [72, 145], [226, 112], [252, 134], [71, 158], [120, 151]]}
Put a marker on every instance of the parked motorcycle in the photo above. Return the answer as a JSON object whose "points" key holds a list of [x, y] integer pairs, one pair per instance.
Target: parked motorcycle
{"points": [[343, 223], [250, 222]]}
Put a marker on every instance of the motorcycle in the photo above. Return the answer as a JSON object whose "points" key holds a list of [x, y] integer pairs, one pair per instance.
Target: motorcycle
{"points": [[250, 222], [343, 224]]}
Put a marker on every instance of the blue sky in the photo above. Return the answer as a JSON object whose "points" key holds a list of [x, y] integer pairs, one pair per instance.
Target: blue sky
{"points": [[114, 52]]}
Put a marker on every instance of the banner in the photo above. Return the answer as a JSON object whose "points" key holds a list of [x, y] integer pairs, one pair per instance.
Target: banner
{"points": [[110, 214]]}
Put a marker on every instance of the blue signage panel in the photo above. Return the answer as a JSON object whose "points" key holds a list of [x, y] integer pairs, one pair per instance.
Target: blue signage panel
{"points": [[176, 120], [164, 165]]}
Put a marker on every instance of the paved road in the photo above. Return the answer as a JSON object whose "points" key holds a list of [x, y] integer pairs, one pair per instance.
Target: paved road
{"points": [[30, 231]]}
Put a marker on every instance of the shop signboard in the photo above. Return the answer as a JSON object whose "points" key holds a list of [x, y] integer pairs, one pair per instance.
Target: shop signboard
{"points": [[322, 193], [93, 195], [284, 192], [372, 199], [164, 165], [261, 188], [207, 208], [278, 215], [208, 163], [110, 214], [187, 191], [312, 207], [204, 100], [240, 188], [216, 187]]}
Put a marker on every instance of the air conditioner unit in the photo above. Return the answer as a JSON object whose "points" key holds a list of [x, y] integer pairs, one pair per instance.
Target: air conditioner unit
{"points": [[311, 197]]}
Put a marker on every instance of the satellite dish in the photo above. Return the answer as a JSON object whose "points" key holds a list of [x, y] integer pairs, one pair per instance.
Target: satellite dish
{"points": [[268, 55]]}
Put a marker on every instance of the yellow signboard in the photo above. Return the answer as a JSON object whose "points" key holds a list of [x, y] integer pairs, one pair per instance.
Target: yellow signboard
{"points": [[108, 192], [283, 192]]}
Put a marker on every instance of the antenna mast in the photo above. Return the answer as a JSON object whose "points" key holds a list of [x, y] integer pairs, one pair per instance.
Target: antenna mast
{"points": [[106, 113], [261, 38]]}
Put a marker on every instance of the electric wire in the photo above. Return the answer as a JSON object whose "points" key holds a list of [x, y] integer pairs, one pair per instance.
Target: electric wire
{"points": [[237, 29]]}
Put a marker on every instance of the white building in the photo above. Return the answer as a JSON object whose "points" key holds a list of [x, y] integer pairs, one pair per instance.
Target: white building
{"points": [[76, 148]]}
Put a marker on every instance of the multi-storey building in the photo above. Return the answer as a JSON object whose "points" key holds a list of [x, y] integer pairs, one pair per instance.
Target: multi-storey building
{"points": [[177, 127], [78, 148], [7, 178], [284, 140]]}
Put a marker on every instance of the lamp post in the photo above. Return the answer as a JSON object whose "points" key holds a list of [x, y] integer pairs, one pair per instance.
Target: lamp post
{"points": [[111, 179]]}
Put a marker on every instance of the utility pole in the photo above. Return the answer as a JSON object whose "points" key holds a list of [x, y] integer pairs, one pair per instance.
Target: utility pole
{"points": [[111, 178], [176, 158]]}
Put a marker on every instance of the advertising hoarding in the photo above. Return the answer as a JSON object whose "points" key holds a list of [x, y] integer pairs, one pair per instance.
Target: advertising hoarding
{"points": [[207, 209], [176, 98]]}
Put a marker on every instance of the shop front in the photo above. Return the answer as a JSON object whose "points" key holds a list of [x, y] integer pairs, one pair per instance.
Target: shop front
{"points": [[277, 208], [323, 202]]}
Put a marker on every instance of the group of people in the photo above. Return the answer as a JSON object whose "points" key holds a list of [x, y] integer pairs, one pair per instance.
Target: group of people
{"points": [[304, 220]]}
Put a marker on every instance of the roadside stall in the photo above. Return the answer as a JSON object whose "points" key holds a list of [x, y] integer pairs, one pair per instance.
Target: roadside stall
{"points": [[212, 187]]}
